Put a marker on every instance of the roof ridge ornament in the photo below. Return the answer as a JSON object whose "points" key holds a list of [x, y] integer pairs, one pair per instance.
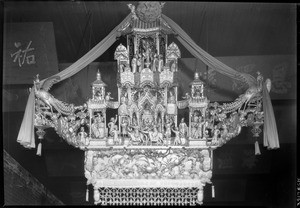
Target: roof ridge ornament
{"points": [[147, 11]]}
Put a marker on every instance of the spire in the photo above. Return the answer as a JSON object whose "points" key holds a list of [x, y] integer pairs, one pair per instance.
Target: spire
{"points": [[98, 75], [98, 81], [196, 76]]}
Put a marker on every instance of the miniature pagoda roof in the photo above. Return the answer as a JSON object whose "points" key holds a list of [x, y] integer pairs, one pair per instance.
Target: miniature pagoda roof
{"points": [[147, 20], [196, 80], [98, 81]]}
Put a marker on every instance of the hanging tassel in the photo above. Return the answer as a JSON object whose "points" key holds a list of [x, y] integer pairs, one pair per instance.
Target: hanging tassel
{"points": [[87, 194], [212, 191], [257, 150], [39, 149]]}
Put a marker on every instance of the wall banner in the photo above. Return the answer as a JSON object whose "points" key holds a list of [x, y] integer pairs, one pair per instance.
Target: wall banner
{"points": [[29, 49]]}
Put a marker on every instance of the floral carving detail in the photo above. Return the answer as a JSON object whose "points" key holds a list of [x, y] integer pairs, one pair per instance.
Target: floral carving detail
{"points": [[150, 164], [149, 11]]}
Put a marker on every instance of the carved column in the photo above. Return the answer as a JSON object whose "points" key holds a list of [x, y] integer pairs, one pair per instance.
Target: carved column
{"points": [[90, 128], [105, 127], [175, 120], [157, 43], [166, 96], [190, 121], [135, 44]]}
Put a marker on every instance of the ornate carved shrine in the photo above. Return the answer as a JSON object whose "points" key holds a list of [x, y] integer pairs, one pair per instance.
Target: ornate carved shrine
{"points": [[146, 154]]}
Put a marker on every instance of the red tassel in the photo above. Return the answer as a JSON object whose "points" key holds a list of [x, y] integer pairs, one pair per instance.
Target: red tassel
{"points": [[39, 149], [257, 150]]}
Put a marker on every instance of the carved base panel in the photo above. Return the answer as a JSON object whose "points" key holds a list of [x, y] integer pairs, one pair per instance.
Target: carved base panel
{"points": [[160, 176], [147, 196]]}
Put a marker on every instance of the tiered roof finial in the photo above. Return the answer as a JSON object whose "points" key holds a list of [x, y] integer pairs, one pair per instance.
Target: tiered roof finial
{"points": [[98, 81], [98, 75], [196, 76]]}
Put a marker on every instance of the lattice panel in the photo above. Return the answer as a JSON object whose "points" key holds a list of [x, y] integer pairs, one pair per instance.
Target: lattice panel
{"points": [[147, 196]]}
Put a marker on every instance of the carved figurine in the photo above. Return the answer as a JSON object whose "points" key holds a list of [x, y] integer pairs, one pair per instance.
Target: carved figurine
{"points": [[134, 122], [108, 97], [194, 124], [123, 111], [155, 136], [205, 126], [124, 125], [171, 98], [132, 9], [224, 132], [82, 137], [154, 63], [183, 129], [168, 125], [177, 140], [146, 53], [216, 132], [200, 127], [111, 125], [160, 63], [135, 135], [187, 96], [98, 95], [115, 134], [101, 126], [96, 126], [127, 68], [139, 63]]}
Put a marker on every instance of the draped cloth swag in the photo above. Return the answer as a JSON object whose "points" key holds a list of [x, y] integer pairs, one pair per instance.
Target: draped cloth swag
{"points": [[26, 133], [271, 140], [206, 58]]}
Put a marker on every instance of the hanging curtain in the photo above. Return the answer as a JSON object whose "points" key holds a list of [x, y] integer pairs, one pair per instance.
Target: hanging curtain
{"points": [[26, 133], [270, 129], [206, 58]]}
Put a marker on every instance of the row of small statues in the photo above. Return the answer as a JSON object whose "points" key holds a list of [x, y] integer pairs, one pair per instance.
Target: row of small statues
{"points": [[139, 62], [147, 131], [144, 133], [150, 132]]}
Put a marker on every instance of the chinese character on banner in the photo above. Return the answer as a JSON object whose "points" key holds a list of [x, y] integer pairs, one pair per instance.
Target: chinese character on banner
{"points": [[23, 55]]}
